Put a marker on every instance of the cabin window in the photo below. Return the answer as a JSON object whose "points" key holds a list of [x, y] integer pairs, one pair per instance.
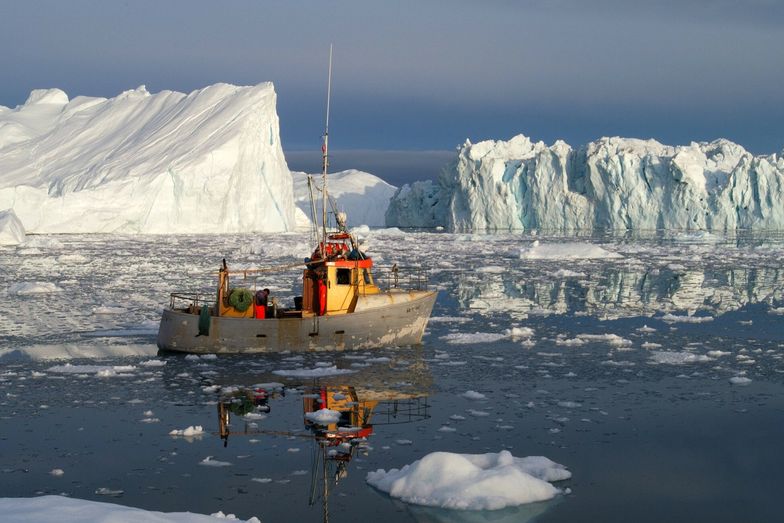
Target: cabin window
{"points": [[366, 276], [344, 277]]}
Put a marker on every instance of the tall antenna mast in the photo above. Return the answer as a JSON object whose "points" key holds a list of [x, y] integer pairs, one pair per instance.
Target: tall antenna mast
{"points": [[325, 157]]}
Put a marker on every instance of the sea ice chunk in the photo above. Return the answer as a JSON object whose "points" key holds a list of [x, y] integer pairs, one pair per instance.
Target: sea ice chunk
{"points": [[471, 481]]}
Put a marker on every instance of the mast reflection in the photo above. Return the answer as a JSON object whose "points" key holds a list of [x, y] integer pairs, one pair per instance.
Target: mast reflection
{"points": [[338, 419]]}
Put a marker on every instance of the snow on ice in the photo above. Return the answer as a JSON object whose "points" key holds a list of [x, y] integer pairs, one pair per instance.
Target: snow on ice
{"points": [[60, 509], [614, 183], [472, 481]]}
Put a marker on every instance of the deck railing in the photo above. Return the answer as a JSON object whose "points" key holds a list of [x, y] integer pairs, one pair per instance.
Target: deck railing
{"points": [[179, 300], [405, 277]]}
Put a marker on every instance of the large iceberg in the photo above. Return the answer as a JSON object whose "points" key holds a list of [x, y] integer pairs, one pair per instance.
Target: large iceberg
{"points": [[12, 231], [612, 183], [205, 162], [362, 196]]}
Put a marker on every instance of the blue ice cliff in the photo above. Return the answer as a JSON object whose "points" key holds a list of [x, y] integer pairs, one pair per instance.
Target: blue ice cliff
{"points": [[611, 183]]}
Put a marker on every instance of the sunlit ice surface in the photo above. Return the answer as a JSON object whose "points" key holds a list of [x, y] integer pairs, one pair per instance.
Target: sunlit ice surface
{"points": [[648, 365]]}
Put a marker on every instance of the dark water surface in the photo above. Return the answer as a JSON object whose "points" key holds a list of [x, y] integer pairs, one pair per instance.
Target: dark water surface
{"points": [[658, 415]]}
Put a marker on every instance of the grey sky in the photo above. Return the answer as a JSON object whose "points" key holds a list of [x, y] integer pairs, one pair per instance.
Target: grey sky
{"points": [[424, 74]]}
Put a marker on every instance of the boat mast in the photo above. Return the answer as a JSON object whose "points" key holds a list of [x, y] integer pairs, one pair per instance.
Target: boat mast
{"points": [[325, 158]]}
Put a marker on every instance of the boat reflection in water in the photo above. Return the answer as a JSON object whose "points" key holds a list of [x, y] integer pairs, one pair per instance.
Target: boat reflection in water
{"points": [[337, 418]]}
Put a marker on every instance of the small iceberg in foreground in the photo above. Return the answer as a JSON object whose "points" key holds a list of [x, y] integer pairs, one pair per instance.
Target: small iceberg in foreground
{"points": [[472, 481]]}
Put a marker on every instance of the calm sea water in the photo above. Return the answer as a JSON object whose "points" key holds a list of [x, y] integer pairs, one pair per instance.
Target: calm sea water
{"points": [[653, 372]]}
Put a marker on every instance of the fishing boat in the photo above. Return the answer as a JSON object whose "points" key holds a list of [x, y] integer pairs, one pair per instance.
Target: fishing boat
{"points": [[342, 306]]}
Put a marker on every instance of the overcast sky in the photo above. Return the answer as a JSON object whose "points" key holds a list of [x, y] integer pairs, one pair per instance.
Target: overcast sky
{"points": [[426, 75]]}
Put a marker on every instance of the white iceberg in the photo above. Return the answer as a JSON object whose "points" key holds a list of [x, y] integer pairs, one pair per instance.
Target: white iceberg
{"points": [[613, 183], [205, 162], [362, 196]]}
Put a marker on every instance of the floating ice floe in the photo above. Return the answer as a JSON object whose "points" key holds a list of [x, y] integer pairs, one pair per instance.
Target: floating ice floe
{"points": [[61, 509], [66, 351], [678, 358], [209, 462], [312, 373], [673, 318], [107, 310], [192, 430], [103, 491], [473, 395], [102, 371], [196, 357], [465, 338], [71, 258], [30, 288], [740, 380], [152, 363], [262, 480], [611, 339], [565, 251], [519, 332], [472, 481], [463, 319]]}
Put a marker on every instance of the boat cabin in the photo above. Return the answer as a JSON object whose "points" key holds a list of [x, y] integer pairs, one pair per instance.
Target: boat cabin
{"points": [[332, 283]]}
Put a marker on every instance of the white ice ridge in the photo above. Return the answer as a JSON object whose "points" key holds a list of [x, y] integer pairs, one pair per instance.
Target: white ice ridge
{"points": [[362, 196], [613, 183], [208, 161]]}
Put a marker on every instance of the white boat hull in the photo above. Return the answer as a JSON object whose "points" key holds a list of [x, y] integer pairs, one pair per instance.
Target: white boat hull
{"points": [[389, 319]]}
